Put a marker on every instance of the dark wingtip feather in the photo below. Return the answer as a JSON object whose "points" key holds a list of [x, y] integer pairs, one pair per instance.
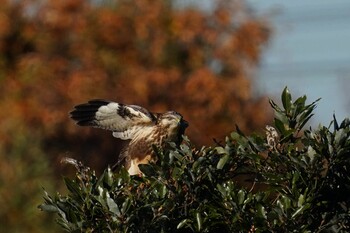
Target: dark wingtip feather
{"points": [[84, 114]]}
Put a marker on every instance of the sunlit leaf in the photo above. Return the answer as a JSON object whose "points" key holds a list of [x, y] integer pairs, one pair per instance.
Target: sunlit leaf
{"points": [[199, 221], [223, 161], [112, 206], [301, 200], [183, 223]]}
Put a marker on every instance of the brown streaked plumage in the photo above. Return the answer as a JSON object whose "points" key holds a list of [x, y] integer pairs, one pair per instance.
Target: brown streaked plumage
{"points": [[133, 123]]}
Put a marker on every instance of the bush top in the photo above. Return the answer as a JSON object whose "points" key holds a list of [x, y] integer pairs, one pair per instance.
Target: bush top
{"points": [[288, 180]]}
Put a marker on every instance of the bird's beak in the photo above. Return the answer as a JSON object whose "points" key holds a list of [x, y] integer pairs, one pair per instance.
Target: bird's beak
{"points": [[183, 123]]}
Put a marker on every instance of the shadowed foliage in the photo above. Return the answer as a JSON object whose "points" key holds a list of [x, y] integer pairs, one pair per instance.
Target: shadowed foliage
{"points": [[305, 180]]}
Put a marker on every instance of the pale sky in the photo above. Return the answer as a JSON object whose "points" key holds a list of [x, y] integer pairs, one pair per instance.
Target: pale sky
{"points": [[309, 52]]}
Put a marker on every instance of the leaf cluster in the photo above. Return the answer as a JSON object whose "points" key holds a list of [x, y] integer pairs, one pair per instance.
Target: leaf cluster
{"points": [[294, 181]]}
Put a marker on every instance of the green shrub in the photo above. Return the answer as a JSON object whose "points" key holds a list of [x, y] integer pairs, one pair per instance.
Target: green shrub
{"points": [[294, 181]]}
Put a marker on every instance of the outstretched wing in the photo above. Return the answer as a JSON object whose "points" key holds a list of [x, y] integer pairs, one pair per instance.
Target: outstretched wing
{"points": [[123, 120]]}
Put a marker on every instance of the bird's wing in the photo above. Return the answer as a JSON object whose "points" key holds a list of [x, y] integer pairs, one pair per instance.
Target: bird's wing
{"points": [[123, 120]]}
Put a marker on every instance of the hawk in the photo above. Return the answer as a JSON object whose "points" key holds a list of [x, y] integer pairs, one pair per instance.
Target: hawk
{"points": [[140, 127]]}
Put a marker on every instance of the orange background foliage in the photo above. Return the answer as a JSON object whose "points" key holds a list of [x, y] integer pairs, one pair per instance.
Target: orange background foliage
{"points": [[57, 54]]}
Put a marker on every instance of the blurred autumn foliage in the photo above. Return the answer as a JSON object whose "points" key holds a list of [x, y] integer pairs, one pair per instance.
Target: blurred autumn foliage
{"points": [[153, 53]]}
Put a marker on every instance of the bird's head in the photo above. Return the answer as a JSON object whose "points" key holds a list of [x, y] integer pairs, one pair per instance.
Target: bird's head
{"points": [[173, 121]]}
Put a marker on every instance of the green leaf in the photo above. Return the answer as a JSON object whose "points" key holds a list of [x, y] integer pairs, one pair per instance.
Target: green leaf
{"points": [[275, 106], [296, 176], [301, 200], [280, 126], [287, 135], [221, 189], [177, 155], [286, 202], [300, 101], [101, 197], [48, 208], [345, 123], [197, 164], [282, 117], [162, 191], [304, 121], [248, 199], [222, 161], [123, 176], [112, 206], [280, 205], [286, 100], [235, 136], [241, 196], [298, 211], [220, 150], [261, 211], [199, 221], [109, 177], [183, 223], [147, 169], [299, 106], [335, 123], [185, 148], [126, 205], [177, 172], [72, 186], [72, 216]]}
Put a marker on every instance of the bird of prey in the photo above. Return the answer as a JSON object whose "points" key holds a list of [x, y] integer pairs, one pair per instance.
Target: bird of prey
{"points": [[133, 123]]}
